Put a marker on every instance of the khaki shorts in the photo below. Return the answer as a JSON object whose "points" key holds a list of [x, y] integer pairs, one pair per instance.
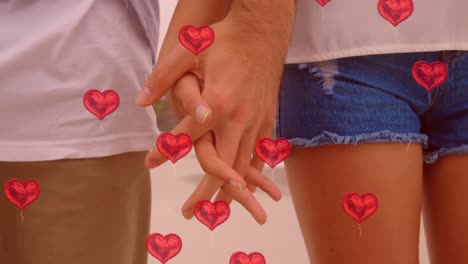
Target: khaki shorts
{"points": [[90, 211]]}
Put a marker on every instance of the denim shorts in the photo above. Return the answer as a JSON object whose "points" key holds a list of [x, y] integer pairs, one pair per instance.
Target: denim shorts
{"points": [[377, 99]]}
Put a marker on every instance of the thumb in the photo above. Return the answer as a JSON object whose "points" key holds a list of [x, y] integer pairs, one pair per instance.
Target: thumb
{"points": [[187, 92], [165, 74]]}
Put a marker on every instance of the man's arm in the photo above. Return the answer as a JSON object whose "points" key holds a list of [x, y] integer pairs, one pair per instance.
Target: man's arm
{"points": [[261, 30], [241, 75], [193, 12], [272, 19]]}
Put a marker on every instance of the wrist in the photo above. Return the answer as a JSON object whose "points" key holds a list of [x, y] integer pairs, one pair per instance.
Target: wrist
{"points": [[263, 21], [263, 13], [196, 13]]}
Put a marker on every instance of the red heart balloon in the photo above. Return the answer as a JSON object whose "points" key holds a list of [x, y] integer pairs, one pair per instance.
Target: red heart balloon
{"points": [[101, 104], [395, 11], [273, 151], [428, 75], [360, 206], [242, 258], [196, 39], [162, 247], [174, 147], [323, 2], [212, 214], [23, 193]]}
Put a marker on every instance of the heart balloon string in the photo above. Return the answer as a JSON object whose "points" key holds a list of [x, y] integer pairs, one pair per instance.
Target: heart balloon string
{"points": [[274, 176], [22, 193], [212, 239], [174, 170], [429, 98], [277, 179], [101, 128], [273, 152], [196, 40], [360, 207], [323, 2], [163, 248], [395, 33], [429, 76], [174, 147], [395, 13], [197, 63], [212, 214]]}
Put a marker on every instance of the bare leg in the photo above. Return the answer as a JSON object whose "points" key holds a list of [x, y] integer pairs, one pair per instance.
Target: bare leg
{"points": [[446, 210], [320, 177]]}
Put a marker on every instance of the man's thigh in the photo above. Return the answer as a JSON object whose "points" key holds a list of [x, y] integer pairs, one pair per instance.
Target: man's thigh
{"points": [[89, 211]]}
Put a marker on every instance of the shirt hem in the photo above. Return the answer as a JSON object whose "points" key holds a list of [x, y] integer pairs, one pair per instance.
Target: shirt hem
{"points": [[365, 51], [48, 151]]}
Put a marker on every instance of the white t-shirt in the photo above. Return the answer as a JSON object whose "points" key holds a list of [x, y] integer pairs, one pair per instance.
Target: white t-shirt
{"points": [[345, 28], [51, 54]]}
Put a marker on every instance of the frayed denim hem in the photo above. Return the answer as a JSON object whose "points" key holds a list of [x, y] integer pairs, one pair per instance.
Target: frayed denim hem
{"points": [[433, 156], [328, 138]]}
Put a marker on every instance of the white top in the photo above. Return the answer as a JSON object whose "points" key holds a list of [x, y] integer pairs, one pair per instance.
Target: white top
{"points": [[344, 28], [51, 54]]}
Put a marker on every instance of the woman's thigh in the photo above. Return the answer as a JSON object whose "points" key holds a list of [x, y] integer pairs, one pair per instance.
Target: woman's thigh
{"points": [[446, 209], [446, 178], [356, 127], [320, 177]]}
